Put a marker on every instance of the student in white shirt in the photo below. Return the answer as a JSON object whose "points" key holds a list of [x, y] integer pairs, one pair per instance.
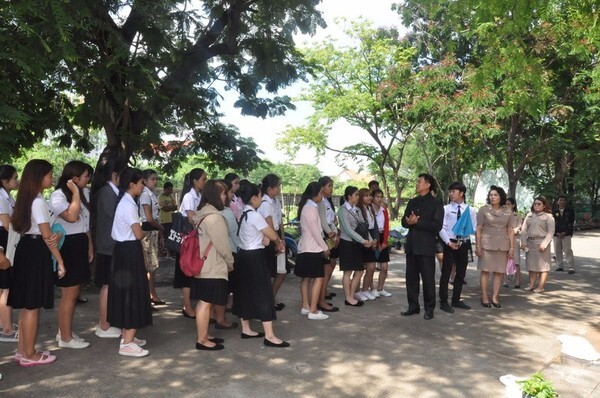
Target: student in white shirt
{"points": [[329, 225], [365, 200], [128, 293], [153, 230], [8, 182], [254, 297], [270, 209], [192, 186], [33, 275], [71, 210]]}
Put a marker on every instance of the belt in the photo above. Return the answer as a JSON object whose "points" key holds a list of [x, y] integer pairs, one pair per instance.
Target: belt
{"points": [[535, 237], [32, 236]]}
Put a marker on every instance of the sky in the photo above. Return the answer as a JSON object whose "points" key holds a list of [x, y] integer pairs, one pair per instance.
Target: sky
{"points": [[265, 131]]}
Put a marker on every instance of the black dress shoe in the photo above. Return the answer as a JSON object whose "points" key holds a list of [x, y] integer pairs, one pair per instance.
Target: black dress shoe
{"points": [[446, 307], [185, 314], [496, 305], [358, 303], [486, 305], [283, 344], [328, 297], [232, 326], [216, 347], [332, 309], [409, 312], [462, 305], [154, 309], [249, 336], [81, 300], [217, 340], [331, 294], [279, 306], [428, 316], [158, 302]]}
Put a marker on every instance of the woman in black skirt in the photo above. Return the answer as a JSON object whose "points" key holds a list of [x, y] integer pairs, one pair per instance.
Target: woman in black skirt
{"points": [[313, 252], [128, 292], [70, 207], [210, 286], [32, 285], [365, 200], [351, 246], [8, 182], [254, 299], [383, 258], [328, 223]]}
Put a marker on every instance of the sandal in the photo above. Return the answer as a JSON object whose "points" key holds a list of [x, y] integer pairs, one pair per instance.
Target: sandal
{"points": [[538, 290], [528, 288], [44, 359]]}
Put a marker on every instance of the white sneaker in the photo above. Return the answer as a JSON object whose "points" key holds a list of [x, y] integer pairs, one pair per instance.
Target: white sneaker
{"points": [[139, 342], [75, 344], [359, 296], [319, 316], [75, 337], [10, 338], [384, 293], [132, 350], [110, 333], [369, 296], [304, 311], [374, 293]]}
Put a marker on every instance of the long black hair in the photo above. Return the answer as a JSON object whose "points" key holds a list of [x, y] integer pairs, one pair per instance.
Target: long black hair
{"points": [[312, 189], [247, 191], [6, 173], [188, 181], [74, 168], [270, 181], [324, 180], [31, 185], [130, 175]]}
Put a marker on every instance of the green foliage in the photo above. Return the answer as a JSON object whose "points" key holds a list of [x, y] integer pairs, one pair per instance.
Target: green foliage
{"points": [[537, 386]]}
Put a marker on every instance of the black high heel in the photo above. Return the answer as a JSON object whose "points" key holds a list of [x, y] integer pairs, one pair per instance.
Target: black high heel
{"points": [[496, 305], [486, 305]]}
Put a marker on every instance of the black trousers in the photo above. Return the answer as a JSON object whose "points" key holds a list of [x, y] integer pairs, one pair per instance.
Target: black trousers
{"points": [[417, 268], [460, 258]]}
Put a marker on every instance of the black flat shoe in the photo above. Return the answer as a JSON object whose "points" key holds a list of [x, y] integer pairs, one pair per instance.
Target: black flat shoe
{"points": [[217, 340], [332, 309], [219, 326], [496, 305], [283, 344], [249, 336], [428, 316], [358, 303], [409, 312], [279, 306], [158, 302], [216, 347], [81, 300], [185, 314], [331, 294], [486, 305], [154, 309]]}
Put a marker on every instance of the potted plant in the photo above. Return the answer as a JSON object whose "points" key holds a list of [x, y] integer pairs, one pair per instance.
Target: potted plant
{"points": [[537, 386]]}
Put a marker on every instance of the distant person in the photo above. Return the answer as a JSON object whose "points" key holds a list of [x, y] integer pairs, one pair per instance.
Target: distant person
{"points": [[328, 218], [564, 218], [166, 206], [512, 203], [537, 232], [383, 251], [373, 185], [8, 182], [424, 216], [236, 203], [456, 248], [365, 200]]}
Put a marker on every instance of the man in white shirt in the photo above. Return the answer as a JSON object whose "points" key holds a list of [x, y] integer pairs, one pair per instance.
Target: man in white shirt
{"points": [[456, 248]]}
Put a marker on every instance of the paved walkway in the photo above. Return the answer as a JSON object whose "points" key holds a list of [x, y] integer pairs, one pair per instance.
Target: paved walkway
{"points": [[359, 352]]}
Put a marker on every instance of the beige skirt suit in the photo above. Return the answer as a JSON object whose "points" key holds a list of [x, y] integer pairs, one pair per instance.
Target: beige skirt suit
{"points": [[537, 228], [495, 241]]}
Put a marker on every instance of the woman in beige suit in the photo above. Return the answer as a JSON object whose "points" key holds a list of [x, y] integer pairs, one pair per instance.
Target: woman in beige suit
{"points": [[536, 235], [495, 239]]}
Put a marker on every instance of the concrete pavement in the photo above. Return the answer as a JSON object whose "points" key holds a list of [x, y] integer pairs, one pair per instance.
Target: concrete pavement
{"points": [[359, 352]]}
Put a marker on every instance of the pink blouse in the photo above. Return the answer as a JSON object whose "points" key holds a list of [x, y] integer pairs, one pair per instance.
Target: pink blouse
{"points": [[311, 240]]}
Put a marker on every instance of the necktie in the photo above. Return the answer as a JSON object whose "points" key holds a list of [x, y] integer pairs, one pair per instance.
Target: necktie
{"points": [[458, 213]]}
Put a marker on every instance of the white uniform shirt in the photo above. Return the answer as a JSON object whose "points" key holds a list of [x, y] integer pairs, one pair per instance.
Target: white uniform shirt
{"points": [[329, 213], [250, 230], [114, 188], [271, 208], [190, 201], [380, 217], [126, 215], [58, 204], [450, 213], [40, 214], [7, 205], [148, 198]]}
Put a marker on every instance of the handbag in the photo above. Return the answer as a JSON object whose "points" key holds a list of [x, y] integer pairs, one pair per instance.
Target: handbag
{"points": [[180, 227], [362, 227], [510, 267], [190, 261]]}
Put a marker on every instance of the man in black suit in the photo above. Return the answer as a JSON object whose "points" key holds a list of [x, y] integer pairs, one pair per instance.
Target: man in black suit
{"points": [[564, 218], [423, 217]]}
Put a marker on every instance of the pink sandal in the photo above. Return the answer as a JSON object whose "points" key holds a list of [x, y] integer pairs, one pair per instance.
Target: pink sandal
{"points": [[18, 356], [44, 359]]}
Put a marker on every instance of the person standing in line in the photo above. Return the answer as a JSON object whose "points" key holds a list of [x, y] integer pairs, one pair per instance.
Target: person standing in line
{"points": [[234, 242], [236, 203], [8, 181], [328, 224], [512, 203], [86, 194], [105, 204], [128, 292], [383, 223], [456, 248], [166, 207], [313, 252], [32, 285], [192, 188], [423, 216], [365, 199], [270, 209], [153, 230], [536, 234], [254, 298], [495, 240], [71, 209], [564, 218]]}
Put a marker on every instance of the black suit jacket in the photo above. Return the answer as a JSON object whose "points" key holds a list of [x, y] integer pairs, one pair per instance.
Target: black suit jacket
{"points": [[565, 222], [421, 238]]}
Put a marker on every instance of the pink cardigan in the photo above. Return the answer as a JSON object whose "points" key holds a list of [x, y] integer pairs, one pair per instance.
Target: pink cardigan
{"points": [[311, 240]]}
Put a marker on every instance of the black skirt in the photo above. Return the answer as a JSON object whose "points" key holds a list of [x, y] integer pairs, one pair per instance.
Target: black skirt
{"points": [[310, 265], [128, 292], [271, 256], [232, 278], [254, 296], [351, 256], [384, 255], [181, 280], [103, 266], [74, 252], [32, 284], [213, 291], [5, 274], [368, 255]]}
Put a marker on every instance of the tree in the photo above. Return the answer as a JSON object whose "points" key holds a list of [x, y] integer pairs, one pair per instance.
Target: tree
{"points": [[142, 69]]}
